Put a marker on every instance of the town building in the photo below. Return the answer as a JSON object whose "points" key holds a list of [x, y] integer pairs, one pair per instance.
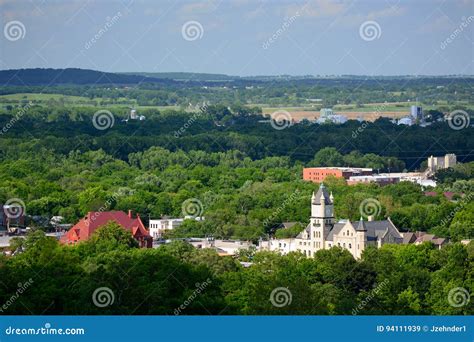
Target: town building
{"points": [[416, 112], [392, 178], [319, 174], [84, 229], [439, 163], [323, 232], [222, 247], [158, 227], [418, 238], [12, 218], [327, 115]]}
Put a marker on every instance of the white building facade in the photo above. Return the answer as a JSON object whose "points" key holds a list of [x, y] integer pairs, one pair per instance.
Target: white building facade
{"points": [[323, 232], [156, 228]]}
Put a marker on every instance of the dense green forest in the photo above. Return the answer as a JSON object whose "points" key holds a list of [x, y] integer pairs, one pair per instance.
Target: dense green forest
{"points": [[220, 129], [109, 275], [58, 163]]}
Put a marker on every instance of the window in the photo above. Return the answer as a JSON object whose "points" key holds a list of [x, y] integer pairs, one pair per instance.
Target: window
{"points": [[279, 245], [339, 244], [350, 246], [344, 245]]}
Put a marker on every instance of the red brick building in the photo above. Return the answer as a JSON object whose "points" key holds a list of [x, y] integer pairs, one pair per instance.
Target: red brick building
{"points": [[83, 230], [319, 174]]}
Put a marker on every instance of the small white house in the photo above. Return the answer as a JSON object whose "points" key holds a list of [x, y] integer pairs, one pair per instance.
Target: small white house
{"points": [[158, 227]]}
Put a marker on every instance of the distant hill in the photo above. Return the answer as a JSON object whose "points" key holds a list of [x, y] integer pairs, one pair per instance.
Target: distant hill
{"points": [[186, 76], [32, 77]]}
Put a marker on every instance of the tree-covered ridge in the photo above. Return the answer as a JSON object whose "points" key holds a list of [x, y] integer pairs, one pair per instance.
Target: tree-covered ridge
{"points": [[179, 279], [220, 129], [445, 93]]}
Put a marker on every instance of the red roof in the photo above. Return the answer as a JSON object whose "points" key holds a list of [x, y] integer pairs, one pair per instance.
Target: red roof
{"points": [[86, 227]]}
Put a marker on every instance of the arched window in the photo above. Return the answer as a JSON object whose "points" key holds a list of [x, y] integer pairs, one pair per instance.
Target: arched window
{"points": [[350, 246]]}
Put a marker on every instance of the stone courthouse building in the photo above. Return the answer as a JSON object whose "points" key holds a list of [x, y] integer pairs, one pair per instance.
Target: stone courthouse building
{"points": [[323, 232]]}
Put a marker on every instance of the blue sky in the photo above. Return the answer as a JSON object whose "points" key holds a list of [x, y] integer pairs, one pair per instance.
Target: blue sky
{"points": [[242, 37]]}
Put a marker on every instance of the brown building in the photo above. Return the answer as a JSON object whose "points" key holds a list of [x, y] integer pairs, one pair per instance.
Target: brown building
{"points": [[319, 174]]}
